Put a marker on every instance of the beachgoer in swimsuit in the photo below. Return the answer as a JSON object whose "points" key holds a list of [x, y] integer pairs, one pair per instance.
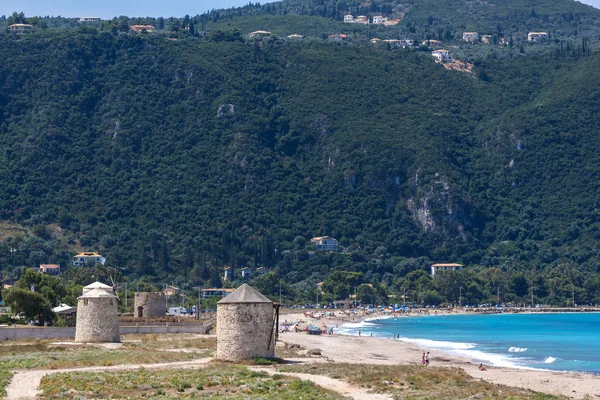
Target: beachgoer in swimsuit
{"points": [[427, 359], [482, 368]]}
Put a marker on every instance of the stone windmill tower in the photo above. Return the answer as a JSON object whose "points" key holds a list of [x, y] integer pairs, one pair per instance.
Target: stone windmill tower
{"points": [[97, 317], [245, 321]]}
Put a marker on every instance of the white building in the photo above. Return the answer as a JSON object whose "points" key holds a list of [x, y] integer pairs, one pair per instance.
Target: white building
{"points": [[325, 243], [89, 19], [141, 28], [379, 20], [247, 273], [535, 36], [259, 34], [441, 56], [88, 259], [445, 267], [349, 19], [20, 28], [361, 19], [470, 37], [227, 274]]}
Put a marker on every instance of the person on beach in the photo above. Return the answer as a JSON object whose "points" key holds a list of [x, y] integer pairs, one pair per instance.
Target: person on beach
{"points": [[482, 368], [423, 359], [427, 359]]}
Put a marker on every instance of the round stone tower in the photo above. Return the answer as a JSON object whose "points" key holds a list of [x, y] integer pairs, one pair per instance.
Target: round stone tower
{"points": [[97, 317], [245, 326], [149, 305]]}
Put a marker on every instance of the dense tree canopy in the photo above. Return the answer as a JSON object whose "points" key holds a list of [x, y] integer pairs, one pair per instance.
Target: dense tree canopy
{"points": [[177, 157]]}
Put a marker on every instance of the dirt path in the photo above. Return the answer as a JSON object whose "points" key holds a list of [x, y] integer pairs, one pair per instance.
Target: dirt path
{"points": [[26, 384], [336, 385]]}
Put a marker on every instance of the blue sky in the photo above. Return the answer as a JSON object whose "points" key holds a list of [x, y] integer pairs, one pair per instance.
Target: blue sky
{"points": [[133, 8]]}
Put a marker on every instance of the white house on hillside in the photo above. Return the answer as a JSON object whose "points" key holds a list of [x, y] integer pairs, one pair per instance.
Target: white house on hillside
{"points": [[470, 37], [535, 36], [88, 259], [445, 267], [247, 273], [349, 19], [20, 28], [325, 243], [441, 56]]}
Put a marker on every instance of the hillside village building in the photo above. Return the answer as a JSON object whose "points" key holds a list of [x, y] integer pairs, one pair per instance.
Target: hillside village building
{"points": [[20, 28], [141, 28], [445, 267], [431, 43], [325, 243], [537, 36], [379, 19], [227, 274], [49, 269], [338, 37], [88, 259], [487, 39], [361, 19], [247, 273], [295, 36], [89, 19], [470, 37], [259, 33], [349, 19], [441, 56]]}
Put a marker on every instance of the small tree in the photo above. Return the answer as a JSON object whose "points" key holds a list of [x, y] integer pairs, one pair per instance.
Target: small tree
{"points": [[31, 304]]}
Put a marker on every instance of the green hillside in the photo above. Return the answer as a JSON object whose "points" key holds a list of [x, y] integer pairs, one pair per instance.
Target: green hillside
{"points": [[175, 158]]}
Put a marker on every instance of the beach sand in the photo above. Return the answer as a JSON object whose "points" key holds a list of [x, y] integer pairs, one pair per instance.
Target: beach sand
{"points": [[369, 350]]}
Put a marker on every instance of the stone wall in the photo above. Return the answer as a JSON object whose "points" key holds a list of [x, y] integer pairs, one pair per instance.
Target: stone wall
{"points": [[244, 330], [153, 305], [97, 320], [17, 332]]}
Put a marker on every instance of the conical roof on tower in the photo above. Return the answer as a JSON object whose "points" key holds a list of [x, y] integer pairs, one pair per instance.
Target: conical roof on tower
{"points": [[245, 294], [97, 285]]}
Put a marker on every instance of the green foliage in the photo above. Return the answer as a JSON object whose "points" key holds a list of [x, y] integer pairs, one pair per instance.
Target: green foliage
{"points": [[31, 304], [175, 158]]}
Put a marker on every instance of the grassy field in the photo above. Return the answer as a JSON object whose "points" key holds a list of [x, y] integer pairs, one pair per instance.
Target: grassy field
{"points": [[416, 382], [217, 382], [222, 381], [42, 354]]}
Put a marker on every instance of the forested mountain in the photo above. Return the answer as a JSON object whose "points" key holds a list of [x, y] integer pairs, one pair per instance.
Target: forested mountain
{"points": [[177, 153]]}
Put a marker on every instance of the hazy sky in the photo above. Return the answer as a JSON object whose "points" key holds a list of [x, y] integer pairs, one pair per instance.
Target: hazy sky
{"points": [[138, 8]]}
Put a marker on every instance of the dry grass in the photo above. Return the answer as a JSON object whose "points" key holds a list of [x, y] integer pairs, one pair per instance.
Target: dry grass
{"points": [[216, 381], [284, 350], [417, 382], [175, 341], [38, 354]]}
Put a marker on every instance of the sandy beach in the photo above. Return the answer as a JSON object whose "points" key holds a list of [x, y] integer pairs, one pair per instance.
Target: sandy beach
{"points": [[369, 350]]}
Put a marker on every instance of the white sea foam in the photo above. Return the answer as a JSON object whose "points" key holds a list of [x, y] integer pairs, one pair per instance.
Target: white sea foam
{"points": [[466, 350], [358, 325], [549, 360], [438, 344], [517, 349]]}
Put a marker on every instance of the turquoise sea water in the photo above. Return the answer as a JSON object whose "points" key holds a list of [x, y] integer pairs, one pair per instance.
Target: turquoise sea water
{"points": [[562, 342]]}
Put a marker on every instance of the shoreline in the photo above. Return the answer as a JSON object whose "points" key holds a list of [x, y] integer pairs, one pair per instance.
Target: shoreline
{"points": [[342, 348]]}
